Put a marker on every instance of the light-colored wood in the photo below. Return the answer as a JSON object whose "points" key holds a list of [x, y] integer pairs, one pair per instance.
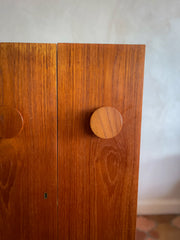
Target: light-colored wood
{"points": [[28, 161], [98, 178], [106, 122], [11, 122]]}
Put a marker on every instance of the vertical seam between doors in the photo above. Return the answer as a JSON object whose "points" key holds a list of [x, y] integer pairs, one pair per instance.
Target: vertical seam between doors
{"points": [[57, 128]]}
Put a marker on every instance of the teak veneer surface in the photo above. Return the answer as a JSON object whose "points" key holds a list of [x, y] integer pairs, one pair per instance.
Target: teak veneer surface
{"points": [[98, 178], [28, 161], [95, 195]]}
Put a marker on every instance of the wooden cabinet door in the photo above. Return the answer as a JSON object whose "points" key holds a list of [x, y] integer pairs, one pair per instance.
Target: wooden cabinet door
{"points": [[28, 142], [98, 178], [96, 190]]}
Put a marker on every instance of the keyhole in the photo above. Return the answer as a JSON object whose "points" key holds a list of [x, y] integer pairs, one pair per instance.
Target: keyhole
{"points": [[45, 195]]}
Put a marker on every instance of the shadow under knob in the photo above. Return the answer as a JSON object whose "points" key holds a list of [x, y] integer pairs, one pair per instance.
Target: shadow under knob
{"points": [[106, 122], [11, 122]]}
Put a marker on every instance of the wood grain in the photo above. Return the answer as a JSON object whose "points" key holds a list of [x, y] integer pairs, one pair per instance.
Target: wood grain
{"points": [[106, 122], [11, 122], [28, 161], [98, 178]]}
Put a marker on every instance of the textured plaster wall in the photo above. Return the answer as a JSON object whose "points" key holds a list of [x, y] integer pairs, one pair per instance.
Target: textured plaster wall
{"points": [[155, 23]]}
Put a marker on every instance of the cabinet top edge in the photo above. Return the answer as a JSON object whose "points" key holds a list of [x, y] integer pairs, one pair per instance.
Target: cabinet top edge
{"points": [[106, 44], [63, 43], [27, 43]]}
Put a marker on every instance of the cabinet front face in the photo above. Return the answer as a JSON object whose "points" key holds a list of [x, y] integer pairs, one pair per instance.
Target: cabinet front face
{"points": [[98, 177], [28, 142], [70, 174]]}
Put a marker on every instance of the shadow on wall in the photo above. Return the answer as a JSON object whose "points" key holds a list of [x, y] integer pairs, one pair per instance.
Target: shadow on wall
{"points": [[175, 192], [157, 176]]}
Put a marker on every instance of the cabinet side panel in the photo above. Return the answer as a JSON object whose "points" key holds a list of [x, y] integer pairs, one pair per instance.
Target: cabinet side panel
{"points": [[28, 161], [98, 178]]}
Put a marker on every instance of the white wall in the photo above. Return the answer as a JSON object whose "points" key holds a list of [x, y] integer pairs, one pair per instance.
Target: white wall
{"points": [[153, 22]]}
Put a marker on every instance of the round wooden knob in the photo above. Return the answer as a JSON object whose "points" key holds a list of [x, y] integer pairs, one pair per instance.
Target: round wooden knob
{"points": [[106, 122], [11, 122]]}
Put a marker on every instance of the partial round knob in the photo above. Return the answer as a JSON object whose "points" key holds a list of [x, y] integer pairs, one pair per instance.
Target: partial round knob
{"points": [[11, 122], [106, 122]]}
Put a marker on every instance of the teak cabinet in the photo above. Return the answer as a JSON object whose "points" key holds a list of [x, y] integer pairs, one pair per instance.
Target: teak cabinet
{"points": [[70, 120]]}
